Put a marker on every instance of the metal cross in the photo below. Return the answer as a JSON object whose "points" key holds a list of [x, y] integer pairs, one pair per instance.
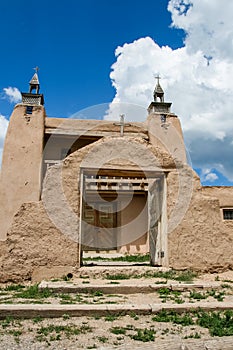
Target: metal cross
{"points": [[36, 69], [122, 124], [157, 77]]}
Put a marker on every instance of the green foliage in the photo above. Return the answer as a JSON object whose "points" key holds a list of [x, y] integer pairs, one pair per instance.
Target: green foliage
{"points": [[8, 321], [134, 316], [119, 276], [144, 335], [197, 295], [167, 294], [97, 293], [14, 287], [33, 292], [219, 296], [66, 316], [37, 319], [118, 330], [137, 258], [111, 318], [103, 339], [174, 317], [68, 330], [219, 324]]}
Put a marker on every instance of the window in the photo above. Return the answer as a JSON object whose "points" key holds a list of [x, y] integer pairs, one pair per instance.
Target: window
{"points": [[228, 214], [29, 109]]}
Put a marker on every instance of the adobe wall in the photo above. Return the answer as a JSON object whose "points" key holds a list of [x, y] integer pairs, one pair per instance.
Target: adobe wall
{"points": [[42, 241], [224, 194], [168, 135], [21, 163], [35, 249], [202, 240]]}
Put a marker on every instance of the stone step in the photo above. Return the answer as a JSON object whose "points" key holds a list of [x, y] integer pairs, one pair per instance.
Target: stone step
{"points": [[223, 343], [76, 310], [124, 287]]}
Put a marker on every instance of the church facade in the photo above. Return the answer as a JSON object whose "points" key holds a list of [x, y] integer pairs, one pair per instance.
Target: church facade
{"points": [[74, 186]]}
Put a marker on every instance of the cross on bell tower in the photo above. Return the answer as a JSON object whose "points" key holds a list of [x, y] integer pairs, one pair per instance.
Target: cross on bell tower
{"points": [[158, 92], [34, 82]]}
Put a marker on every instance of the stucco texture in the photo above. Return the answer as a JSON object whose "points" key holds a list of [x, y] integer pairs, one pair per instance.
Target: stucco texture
{"points": [[33, 241], [44, 235]]}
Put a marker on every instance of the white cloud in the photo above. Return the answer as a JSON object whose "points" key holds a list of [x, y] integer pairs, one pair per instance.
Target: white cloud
{"points": [[3, 128], [208, 175], [13, 94], [197, 78]]}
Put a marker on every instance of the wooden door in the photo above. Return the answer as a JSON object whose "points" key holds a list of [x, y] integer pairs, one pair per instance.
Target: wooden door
{"points": [[99, 229]]}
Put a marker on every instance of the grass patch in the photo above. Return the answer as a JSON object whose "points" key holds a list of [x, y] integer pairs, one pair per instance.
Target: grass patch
{"points": [[111, 318], [33, 292], [180, 276], [167, 294], [119, 276], [14, 288], [197, 295], [118, 330], [137, 258], [174, 317], [144, 335], [67, 330], [103, 339], [219, 324]]}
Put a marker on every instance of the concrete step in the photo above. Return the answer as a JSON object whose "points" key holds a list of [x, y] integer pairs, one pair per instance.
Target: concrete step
{"points": [[224, 343], [76, 310], [123, 287]]}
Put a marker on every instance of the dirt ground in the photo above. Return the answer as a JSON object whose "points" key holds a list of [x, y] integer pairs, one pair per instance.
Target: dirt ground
{"points": [[115, 332]]}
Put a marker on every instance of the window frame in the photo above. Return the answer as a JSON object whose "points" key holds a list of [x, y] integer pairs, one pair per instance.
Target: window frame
{"points": [[227, 209]]}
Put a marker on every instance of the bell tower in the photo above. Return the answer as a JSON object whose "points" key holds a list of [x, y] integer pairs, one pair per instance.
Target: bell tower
{"points": [[158, 105], [29, 98], [22, 155], [164, 127]]}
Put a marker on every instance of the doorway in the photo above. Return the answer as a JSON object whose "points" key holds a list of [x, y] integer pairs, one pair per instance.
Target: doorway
{"points": [[108, 223]]}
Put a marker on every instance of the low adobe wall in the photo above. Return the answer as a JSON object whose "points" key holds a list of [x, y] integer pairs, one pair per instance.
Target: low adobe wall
{"points": [[33, 245], [203, 241]]}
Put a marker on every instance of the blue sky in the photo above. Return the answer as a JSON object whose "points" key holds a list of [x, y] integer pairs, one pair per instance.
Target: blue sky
{"points": [[74, 44]]}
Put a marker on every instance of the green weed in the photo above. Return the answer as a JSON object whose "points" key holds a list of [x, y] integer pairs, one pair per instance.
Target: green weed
{"points": [[174, 317], [197, 295], [14, 288], [33, 292], [119, 276], [219, 324], [144, 335], [137, 258], [111, 318], [103, 339], [118, 330]]}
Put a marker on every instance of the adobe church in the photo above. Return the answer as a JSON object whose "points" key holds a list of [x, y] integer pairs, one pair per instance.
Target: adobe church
{"points": [[72, 186]]}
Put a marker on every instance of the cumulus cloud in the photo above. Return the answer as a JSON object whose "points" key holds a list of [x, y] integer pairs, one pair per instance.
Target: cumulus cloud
{"points": [[208, 175], [197, 78], [3, 128], [12, 94]]}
